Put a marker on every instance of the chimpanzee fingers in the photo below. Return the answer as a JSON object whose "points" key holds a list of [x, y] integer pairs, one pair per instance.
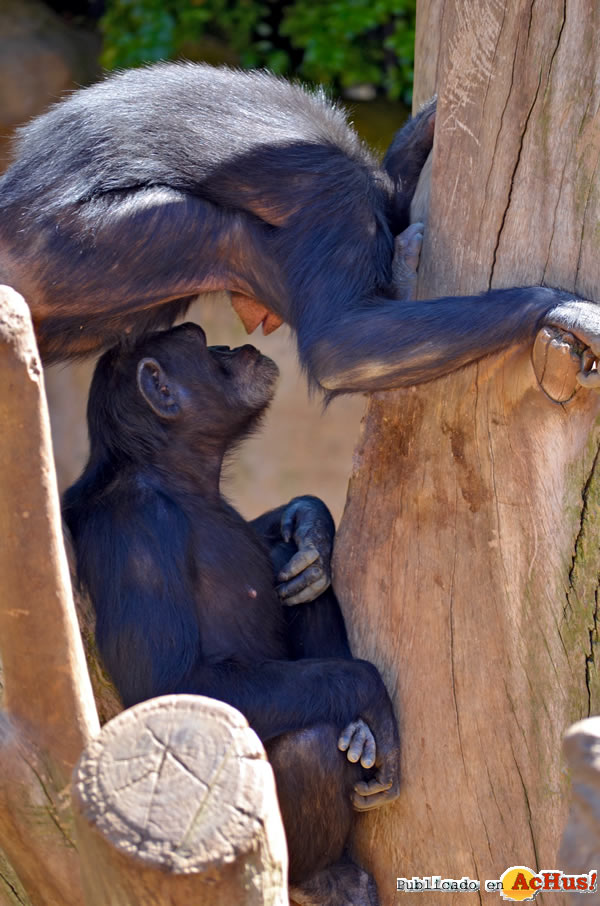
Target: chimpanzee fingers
{"points": [[371, 787], [308, 593], [366, 803], [407, 251], [306, 585], [299, 562], [579, 317], [304, 577], [359, 743], [370, 794], [589, 379], [589, 376], [288, 521]]}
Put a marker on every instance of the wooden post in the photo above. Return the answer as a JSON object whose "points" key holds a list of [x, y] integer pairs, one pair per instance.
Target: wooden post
{"points": [[175, 804], [468, 555], [49, 708]]}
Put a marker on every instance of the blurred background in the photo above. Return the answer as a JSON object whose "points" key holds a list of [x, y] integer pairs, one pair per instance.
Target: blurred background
{"points": [[361, 50]]}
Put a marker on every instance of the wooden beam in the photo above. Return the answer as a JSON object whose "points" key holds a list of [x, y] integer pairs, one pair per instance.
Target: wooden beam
{"points": [[46, 684], [49, 711]]}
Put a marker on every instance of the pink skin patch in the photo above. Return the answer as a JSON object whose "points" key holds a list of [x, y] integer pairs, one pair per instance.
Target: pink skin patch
{"points": [[252, 313]]}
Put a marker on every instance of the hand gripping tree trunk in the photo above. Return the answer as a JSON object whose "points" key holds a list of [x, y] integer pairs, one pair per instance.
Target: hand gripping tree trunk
{"points": [[468, 553]]}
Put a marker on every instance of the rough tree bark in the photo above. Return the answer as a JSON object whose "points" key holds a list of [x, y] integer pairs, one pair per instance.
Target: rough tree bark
{"points": [[468, 554], [48, 709]]}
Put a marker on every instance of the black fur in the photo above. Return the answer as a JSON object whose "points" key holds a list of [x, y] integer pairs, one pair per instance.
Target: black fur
{"points": [[184, 589], [128, 198]]}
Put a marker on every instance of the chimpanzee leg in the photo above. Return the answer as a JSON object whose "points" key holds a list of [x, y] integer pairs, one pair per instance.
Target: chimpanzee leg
{"points": [[405, 159], [314, 785]]}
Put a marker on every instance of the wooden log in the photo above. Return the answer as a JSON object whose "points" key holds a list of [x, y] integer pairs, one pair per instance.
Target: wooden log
{"points": [[175, 804], [12, 892], [580, 846], [468, 554], [36, 825], [49, 711], [46, 684]]}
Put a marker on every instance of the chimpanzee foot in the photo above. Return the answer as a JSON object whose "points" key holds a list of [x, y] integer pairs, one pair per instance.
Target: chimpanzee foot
{"points": [[358, 742], [407, 252], [343, 884]]}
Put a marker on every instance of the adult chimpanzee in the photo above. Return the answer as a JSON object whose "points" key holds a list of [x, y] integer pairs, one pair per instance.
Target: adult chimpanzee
{"points": [[185, 598], [130, 197]]}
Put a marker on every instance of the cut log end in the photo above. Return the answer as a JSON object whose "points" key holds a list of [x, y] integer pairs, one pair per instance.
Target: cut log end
{"points": [[193, 748], [16, 331], [180, 786]]}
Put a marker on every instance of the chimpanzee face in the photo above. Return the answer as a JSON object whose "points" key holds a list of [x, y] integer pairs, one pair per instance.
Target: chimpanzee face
{"points": [[216, 389], [170, 384], [239, 377]]}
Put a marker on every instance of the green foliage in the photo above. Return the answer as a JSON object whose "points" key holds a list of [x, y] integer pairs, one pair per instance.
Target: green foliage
{"points": [[336, 42]]}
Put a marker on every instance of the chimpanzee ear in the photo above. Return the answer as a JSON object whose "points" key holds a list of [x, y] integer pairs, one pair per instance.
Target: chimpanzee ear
{"points": [[159, 392]]}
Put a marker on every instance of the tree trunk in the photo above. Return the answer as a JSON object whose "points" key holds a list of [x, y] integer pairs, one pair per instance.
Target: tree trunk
{"points": [[468, 554]]}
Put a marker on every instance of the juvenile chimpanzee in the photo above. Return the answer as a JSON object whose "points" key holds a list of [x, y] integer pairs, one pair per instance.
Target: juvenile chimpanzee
{"points": [[185, 597], [130, 197]]}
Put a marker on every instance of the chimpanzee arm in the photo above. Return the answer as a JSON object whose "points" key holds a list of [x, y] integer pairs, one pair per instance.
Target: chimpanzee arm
{"points": [[300, 539], [299, 536], [317, 628], [281, 696], [393, 344]]}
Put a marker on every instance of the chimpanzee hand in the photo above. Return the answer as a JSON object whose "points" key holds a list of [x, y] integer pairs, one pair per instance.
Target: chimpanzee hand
{"points": [[357, 741], [381, 789], [407, 251], [582, 319], [307, 522]]}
